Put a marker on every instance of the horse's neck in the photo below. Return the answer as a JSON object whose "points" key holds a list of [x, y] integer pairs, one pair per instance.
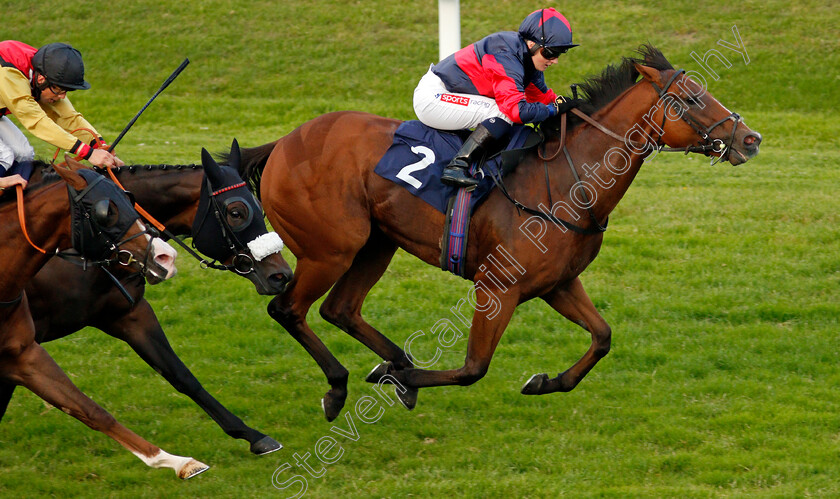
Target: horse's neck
{"points": [[607, 165], [47, 220], [170, 196]]}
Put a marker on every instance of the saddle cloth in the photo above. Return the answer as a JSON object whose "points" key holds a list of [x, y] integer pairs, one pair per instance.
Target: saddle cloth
{"points": [[418, 155]]}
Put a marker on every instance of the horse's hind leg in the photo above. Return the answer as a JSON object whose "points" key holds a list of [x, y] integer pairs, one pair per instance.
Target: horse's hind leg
{"points": [[493, 310], [142, 331], [33, 368], [6, 391], [572, 301], [313, 279], [343, 305]]}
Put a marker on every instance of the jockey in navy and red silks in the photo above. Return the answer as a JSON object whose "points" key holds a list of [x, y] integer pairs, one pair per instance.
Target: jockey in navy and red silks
{"points": [[33, 87], [493, 83]]}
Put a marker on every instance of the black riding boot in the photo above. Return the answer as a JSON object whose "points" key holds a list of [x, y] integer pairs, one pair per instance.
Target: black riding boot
{"points": [[457, 171]]}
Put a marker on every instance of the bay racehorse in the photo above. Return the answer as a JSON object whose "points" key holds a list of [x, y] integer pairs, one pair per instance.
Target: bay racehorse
{"points": [[98, 220], [344, 222], [224, 228]]}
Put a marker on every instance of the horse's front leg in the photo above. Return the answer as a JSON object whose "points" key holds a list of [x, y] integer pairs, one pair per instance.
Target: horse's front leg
{"points": [[6, 391], [574, 304], [33, 368], [142, 331], [493, 310]]}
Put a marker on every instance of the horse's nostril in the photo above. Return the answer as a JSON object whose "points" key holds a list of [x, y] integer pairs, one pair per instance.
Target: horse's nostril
{"points": [[279, 280], [752, 140]]}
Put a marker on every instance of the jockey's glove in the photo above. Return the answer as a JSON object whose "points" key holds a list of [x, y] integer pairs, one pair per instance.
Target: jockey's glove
{"points": [[564, 105]]}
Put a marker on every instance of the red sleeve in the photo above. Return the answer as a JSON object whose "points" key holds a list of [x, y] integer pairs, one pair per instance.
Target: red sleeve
{"points": [[534, 94], [505, 90]]}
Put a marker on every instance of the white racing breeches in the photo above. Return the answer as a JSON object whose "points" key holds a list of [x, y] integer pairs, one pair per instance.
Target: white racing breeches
{"points": [[13, 145], [439, 108]]}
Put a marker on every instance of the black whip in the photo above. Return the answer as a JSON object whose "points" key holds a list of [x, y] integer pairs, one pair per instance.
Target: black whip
{"points": [[161, 89]]}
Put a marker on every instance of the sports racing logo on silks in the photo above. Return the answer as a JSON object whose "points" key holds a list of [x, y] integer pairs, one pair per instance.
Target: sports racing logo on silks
{"points": [[455, 99]]}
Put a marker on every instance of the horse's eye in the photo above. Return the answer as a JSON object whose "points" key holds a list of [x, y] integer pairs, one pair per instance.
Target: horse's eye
{"points": [[692, 101], [238, 213]]}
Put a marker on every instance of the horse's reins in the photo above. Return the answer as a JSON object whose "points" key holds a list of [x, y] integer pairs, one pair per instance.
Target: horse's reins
{"points": [[22, 218], [709, 146], [550, 216], [204, 263]]}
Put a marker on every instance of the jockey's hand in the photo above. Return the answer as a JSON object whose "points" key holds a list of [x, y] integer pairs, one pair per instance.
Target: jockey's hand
{"points": [[564, 104], [100, 144], [104, 159], [11, 181]]}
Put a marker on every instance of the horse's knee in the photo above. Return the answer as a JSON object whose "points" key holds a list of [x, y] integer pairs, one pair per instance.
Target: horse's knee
{"points": [[336, 313], [602, 338], [471, 374], [281, 311]]}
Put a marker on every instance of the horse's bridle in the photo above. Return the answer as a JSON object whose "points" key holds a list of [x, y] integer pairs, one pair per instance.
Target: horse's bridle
{"points": [[242, 263], [119, 256], [708, 146]]}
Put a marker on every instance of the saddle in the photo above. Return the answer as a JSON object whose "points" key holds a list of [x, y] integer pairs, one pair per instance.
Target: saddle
{"points": [[415, 161]]}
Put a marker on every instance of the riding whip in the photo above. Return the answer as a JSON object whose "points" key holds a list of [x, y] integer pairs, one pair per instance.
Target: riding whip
{"points": [[161, 89]]}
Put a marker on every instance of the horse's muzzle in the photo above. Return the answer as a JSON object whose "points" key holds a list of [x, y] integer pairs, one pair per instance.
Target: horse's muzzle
{"points": [[745, 147], [161, 262]]}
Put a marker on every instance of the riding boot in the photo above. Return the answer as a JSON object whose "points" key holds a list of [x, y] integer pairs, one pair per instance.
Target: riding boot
{"points": [[457, 171]]}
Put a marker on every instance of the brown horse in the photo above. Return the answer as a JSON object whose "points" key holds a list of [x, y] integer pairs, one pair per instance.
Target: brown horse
{"points": [[344, 222], [99, 222], [171, 194]]}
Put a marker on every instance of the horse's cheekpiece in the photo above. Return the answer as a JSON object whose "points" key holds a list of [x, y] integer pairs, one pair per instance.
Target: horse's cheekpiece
{"points": [[416, 160], [100, 216], [229, 219]]}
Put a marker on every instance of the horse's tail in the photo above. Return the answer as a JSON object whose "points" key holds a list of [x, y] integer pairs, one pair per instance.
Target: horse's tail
{"points": [[251, 165]]}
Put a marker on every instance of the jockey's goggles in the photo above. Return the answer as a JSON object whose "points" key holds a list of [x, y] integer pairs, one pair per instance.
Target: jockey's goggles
{"points": [[553, 52]]}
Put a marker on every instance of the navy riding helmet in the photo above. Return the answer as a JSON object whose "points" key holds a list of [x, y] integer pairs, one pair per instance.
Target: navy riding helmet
{"points": [[548, 29]]}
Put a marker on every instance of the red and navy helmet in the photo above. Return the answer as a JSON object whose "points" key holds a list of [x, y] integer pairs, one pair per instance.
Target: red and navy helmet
{"points": [[548, 28]]}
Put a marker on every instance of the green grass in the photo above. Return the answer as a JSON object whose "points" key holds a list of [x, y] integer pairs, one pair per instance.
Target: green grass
{"points": [[720, 283]]}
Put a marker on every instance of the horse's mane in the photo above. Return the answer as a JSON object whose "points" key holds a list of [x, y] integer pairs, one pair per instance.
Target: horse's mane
{"points": [[49, 176], [600, 90], [251, 166]]}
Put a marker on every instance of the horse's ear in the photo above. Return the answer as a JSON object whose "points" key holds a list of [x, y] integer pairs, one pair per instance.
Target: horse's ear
{"points": [[211, 169], [649, 73], [235, 155], [72, 164], [69, 174]]}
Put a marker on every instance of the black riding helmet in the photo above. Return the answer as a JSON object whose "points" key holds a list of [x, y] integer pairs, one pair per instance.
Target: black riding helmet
{"points": [[61, 65]]}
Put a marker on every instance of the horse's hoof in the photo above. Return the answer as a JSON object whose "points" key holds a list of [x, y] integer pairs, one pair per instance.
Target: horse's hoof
{"points": [[378, 372], [535, 385], [191, 469], [265, 445], [408, 398], [332, 404]]}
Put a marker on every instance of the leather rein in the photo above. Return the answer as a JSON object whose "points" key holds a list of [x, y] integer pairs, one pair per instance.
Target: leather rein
{"points": [[707, 146]]}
